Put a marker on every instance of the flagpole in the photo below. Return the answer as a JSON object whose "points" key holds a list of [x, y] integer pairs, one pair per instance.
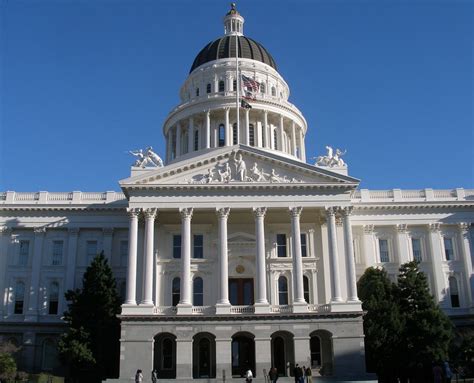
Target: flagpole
{"points": [[237, 84]]}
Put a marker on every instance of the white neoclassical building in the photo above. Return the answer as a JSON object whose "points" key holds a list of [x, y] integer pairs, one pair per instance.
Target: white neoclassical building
{"points": [[236, 253]]}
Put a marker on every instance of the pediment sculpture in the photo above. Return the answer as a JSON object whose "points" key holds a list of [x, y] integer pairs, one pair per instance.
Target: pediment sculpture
{"points": [[146, 158], [332, 158]]}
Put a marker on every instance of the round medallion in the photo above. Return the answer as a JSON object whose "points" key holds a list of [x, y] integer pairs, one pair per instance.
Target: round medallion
{"points": [[240, 269]]}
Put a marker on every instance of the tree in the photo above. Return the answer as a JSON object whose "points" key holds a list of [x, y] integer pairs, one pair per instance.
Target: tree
{"points": [[382, 322], [91, 347], [462, 355], [7, 362]]}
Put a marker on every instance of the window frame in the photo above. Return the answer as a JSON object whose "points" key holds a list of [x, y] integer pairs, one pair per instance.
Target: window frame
{"points": [[380, 241], [282, 247], [196, 247], [449, 254], [420, 250], [304, 246], [175, 291], [221, 86], [283, 293], [57, 258], [89, 256], [198, 296], [176, 246], [24, 256]]}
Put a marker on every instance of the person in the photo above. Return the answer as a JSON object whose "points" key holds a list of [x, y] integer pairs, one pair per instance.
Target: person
{"points": [[139, 376], [308, 373], [154, 376], [273, 375], [248, 376], [302, 373], [448, 374], [296, 373], [437, 373]]}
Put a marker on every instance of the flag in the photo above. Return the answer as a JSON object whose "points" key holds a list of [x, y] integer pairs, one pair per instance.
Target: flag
{"points": [[244, 104], [249, 87]]}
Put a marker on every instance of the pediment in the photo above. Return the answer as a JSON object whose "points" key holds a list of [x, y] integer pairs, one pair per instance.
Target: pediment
{"points": [[238, 165]]}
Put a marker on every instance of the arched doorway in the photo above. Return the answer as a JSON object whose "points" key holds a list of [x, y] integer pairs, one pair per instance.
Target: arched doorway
{"points": [[243, 354], [321, 351], [283, 352], [164, 360], [204, 356]]}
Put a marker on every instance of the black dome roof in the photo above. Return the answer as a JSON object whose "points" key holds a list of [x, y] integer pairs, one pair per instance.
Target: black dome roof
{"points": [[224, 47]]}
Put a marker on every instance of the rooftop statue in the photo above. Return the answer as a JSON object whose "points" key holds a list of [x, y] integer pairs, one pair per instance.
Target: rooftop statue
{"points": [[331, 159], [146, 158]]}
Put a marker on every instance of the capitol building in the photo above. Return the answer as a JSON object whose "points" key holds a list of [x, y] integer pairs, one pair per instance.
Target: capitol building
{"points": [[230, 251]]}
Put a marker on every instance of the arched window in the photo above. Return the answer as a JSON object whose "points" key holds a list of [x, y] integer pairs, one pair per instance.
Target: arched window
{"points": [[221, 86], [234, 134], [273, 91], [208, 88], [196, 140], [306, 289], [315, 347], [221, 135], [251, 135], [53, 298], [50, 355], [262, 88], [167, 350], [175, 291], [282, 291], [198, 293], [197, 92], [19, 297], [454, 292]]}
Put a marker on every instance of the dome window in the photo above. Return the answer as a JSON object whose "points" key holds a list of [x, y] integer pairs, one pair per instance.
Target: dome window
{"points": [[273, 91], [221, 86], [234, 85], [251, 135], [221, 135], [197, 92], [262, 88], [208, 88]]}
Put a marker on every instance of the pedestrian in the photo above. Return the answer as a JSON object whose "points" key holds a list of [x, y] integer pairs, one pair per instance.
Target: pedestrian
{"points": [[248, 376], [273, 375], [139, 376], [302, 370], [154, 376], [448, 374], [309, 375], [296, 373]]}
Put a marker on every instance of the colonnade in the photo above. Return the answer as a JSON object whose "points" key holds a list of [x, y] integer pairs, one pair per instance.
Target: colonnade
{"points": [[288, 136], [223, 303]]}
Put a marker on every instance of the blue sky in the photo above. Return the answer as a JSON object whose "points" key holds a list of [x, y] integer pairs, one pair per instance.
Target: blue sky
{"points": [[83, 81]]}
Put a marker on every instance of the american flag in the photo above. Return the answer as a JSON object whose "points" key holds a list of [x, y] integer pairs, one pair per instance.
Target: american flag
{"points": [[249, 87]]}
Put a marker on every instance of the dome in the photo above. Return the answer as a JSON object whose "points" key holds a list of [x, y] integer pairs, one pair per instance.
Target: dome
{"points": [[224, 47]]}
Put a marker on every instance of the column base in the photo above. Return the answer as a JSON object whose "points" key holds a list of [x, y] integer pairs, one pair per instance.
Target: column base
{"points": [[300, 307], [184, 309], [338, 307], [222, 308], [261, 308]]}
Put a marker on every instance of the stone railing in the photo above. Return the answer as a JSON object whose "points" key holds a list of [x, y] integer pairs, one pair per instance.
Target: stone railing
{"points": [[53, 198], [313, 308], [242, 309], [201, 310], [398, 195], [283, 309], [165, 310]]}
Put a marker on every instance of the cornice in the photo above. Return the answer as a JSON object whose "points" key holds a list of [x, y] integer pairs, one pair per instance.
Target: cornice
{"points": [[412, 205]]}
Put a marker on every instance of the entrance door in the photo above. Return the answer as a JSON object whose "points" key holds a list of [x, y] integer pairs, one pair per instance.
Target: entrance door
{"points": [[243, 355], [279, 355], [241, 291]]}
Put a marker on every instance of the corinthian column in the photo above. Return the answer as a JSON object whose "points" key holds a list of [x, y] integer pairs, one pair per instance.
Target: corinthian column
{"points": [[349, 245], [207, 133], [466, 249], [297, 260], [132, 257], [259, 214], [147, 295], [223, 304], [333, 254], [185, 304]]}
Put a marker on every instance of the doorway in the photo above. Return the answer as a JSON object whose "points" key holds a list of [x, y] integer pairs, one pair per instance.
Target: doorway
{"points": [[243, 354], [241, 291]]}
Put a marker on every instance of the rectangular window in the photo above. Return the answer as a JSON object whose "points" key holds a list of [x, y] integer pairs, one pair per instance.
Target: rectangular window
{"points": [[281, 245], [91, 251], [448, 248], [251, 135], [383, 247], [57, 256], [19, 298], [304, 247], [198, 249], [24, 252], [123, 253], [177, 246], [416, 247]]}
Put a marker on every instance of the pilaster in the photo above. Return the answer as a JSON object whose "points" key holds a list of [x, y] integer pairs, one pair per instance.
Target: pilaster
{"points": [[185, 303], [403, 243], [147, 295], [333, 254], [73, 235], [466, 255], [436, 258]]}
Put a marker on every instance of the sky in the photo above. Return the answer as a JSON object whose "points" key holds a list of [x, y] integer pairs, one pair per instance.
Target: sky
{"points": [[84, 81]]}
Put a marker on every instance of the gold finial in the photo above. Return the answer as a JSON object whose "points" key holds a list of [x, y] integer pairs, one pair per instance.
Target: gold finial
{"points": [[233, 9]]}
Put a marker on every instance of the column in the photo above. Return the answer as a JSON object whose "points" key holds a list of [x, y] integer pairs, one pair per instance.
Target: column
{"points": [[350, 262], [268, 136], [259, 214], [147, 295], [131, 298], [207, 133], [71, 257], [436, 257], [35, 274], [247, 127], [333, 254], [178, 139], [227, 140], [107, 244], [280, 135], [299, 304], [302, 147], [223, 358], [191, 135], [466, 260], [223, 304], [5, 240], [185, 304], [402, 243], [293, 139]]}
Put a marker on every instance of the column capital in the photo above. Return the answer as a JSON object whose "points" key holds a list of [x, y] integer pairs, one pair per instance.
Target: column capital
{"points": [[259, 212], [223, 212], [331, 210], [207, 111], [434, 227], [368, 229], [5, 230], [108, 231], [39, 230], [311, 231], [295, 212], [402, 228], [186, 212], [133, 212], [149, 213], [346, 211], [464, 226], [226, 109]]}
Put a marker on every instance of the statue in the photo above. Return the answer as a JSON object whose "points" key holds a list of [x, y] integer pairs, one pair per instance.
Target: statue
{"points": [[153, 157], [141, 160], [225, 174], [274, 177], [241, 168], [210, 176], [331, 159], [256, 174], [146, 158]]}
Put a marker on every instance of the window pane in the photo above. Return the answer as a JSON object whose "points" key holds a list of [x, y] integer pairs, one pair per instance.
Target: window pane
{"points": [[57, 258], [208, 88], [251, 135], [306, 289], [196, 140], [19, 297], [234, 134], [304, 252], [453, 292], [53, 298], [175, 292], [24, 252], [448, 248], [383, 246], [281, 245], [198, 292], [198, 251], [91, 251], [416, 246], [177, 246], [221, 135], [221, 86], [282, 291]]}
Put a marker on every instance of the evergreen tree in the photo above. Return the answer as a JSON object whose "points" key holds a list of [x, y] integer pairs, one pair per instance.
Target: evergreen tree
{"points": [[91, 347], [382, 322]]}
